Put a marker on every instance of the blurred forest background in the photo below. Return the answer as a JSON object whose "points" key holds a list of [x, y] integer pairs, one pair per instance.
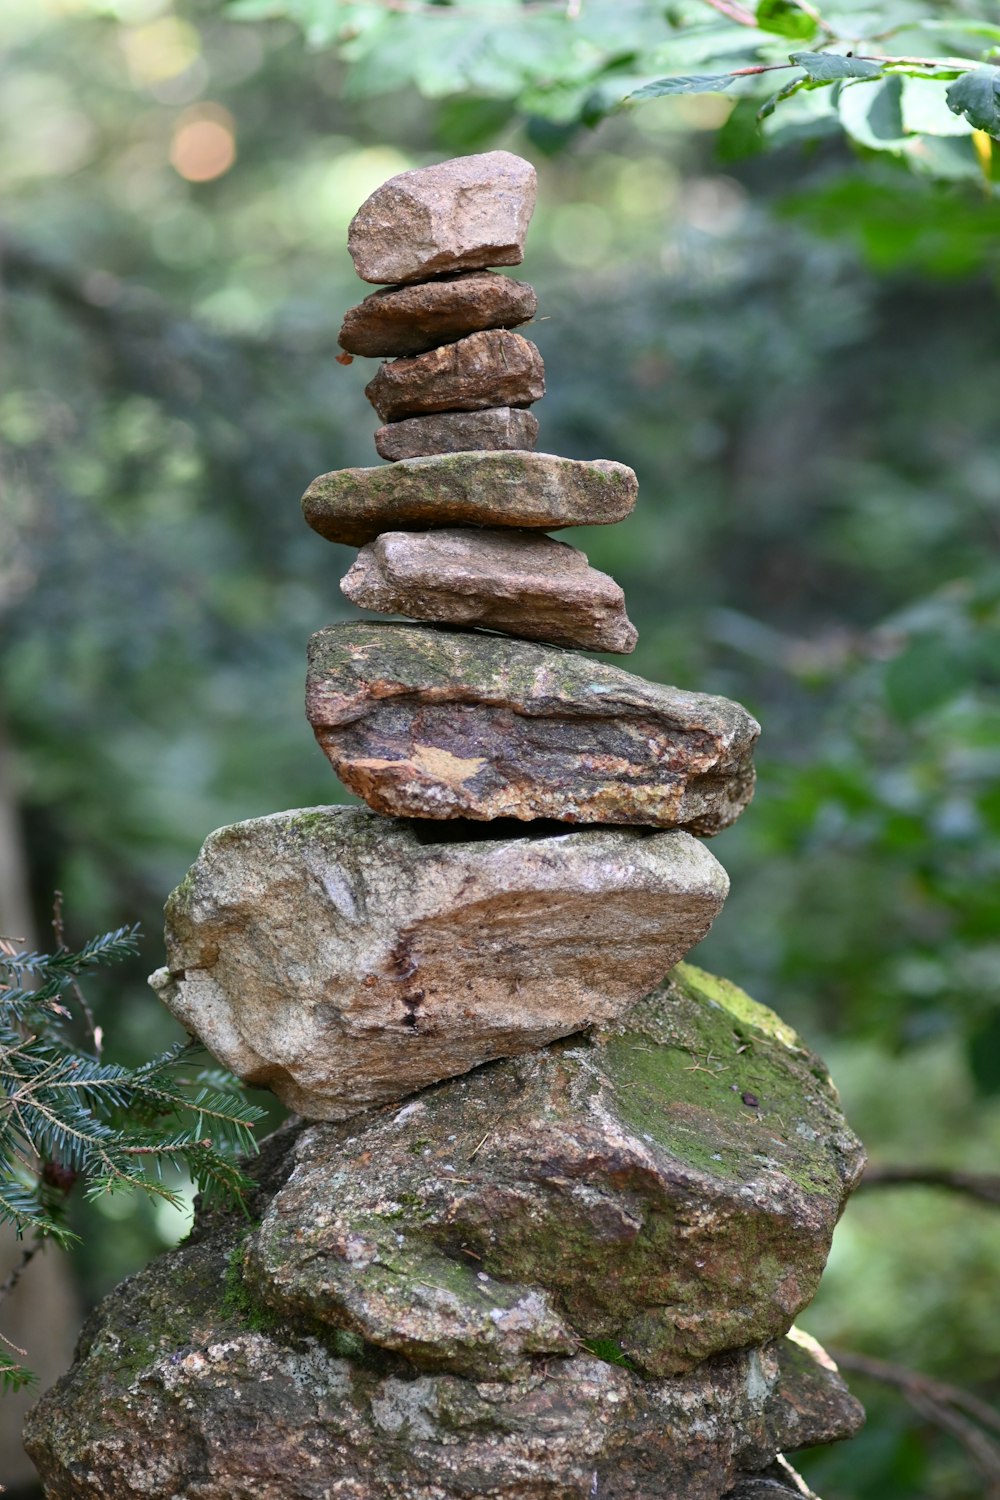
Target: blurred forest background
{"points": [[797, 351]]}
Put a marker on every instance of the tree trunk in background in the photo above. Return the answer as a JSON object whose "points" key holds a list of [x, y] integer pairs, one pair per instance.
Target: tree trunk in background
{"points": [[42, 1313]]}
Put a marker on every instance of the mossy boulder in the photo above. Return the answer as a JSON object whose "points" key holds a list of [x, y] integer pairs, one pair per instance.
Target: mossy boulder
{"points": [[666, 1188], [187, 1387]]}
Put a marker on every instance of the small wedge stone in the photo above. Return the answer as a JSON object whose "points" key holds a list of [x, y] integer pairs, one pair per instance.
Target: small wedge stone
{"points": [[496, 429], [460, 215], [429, 723], [345, 960], [495, 368], [518, 582], [413, 319], [539, 491]]}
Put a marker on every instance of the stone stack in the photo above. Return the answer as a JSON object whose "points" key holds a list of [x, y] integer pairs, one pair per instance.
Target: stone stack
{"points": [[571, 1272]]}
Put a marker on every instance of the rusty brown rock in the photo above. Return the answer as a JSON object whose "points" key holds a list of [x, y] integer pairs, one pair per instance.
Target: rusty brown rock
{"points": [[458, 215], [495, 368], [412, 319], [514, 581], [492, 430], [345, 960], [427, 723], [540, 491]]}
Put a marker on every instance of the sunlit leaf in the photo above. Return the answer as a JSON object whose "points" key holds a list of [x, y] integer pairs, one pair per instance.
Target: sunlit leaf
{"points": [[705, 83], [785, 18]]}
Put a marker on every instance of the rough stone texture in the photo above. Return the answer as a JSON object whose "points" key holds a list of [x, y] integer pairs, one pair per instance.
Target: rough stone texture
{"points": [[515, 581], [540, 491], [427, 723], [188, 1387], [499, 427], [412, 319], [495, 368], [459, 215], [618, 1189], [343, 960]]}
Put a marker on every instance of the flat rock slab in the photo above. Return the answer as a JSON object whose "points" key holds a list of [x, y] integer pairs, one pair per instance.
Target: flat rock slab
{"points": [[185, 1388], [344, 960], [460, 215], [495, 368], [428, 723], [538, 491], [412, 319], [496, 428], [617, 1190], [514, 581]]}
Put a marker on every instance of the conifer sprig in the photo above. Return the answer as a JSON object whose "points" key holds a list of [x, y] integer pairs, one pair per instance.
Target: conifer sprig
{"points": [[66, 1116]]}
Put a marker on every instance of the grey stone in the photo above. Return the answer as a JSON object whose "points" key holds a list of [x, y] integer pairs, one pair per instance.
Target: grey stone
{"points": [[188, 1387], [412, 319], [618, 1188], [459, 215], [344, 960], [540, 491], [427, 723], [514, 581], [495, 368], [497, 428]]}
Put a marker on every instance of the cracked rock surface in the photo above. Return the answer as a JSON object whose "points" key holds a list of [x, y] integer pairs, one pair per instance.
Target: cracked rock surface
{"points": [[429, 723], [346, 960], [499, 428], [495, 368]]}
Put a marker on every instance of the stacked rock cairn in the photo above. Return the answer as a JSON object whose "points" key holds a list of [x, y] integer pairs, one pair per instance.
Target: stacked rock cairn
{"points": [[562, 1195]]}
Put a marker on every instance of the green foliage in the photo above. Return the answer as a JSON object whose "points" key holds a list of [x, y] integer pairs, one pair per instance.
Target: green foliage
{"points": [[572, 66], [66, 1116]]}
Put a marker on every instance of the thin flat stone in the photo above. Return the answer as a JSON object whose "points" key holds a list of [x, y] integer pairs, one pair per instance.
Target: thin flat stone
{"points": [[495, 368], [412, 319], [515, 581], [344, 961], [496, 429], [427, 723], [538, 491], [459, 215]]}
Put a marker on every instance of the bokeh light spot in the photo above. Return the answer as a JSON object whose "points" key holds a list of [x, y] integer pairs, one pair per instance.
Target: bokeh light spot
{"points": [[204, 143]]}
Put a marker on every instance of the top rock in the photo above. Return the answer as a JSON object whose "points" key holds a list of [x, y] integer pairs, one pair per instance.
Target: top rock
{"points": [[461, 215]]}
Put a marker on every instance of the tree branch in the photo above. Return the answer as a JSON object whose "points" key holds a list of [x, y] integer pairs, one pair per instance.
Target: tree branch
{"points": [[918, 1387], [982, 1185]]}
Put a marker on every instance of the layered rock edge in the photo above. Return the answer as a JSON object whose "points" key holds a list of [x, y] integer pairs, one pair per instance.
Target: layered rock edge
{"points": [[519, 583], [342, 960], [536, 491], [428, 723]]}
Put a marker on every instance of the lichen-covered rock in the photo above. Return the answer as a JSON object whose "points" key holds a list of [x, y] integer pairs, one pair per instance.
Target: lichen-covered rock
{"points": [[668, 1185], [403, 320], [495, 368], [186, 1388], [513, 581], [537, 491], [458, 215], [344, 960], [497, 428], [428, 723]]}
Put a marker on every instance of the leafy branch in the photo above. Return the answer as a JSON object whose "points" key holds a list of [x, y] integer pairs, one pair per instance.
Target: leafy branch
{"points": [[66, 1116]]}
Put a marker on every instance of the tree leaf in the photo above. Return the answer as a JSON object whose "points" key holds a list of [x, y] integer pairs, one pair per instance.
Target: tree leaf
{"points": [[925, 109], [872, 116], [785, 18], [704, 83], [977, 97], [827, 67]]}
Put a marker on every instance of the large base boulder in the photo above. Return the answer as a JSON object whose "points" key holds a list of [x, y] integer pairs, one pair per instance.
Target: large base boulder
{"points": [[187, 1387]]}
